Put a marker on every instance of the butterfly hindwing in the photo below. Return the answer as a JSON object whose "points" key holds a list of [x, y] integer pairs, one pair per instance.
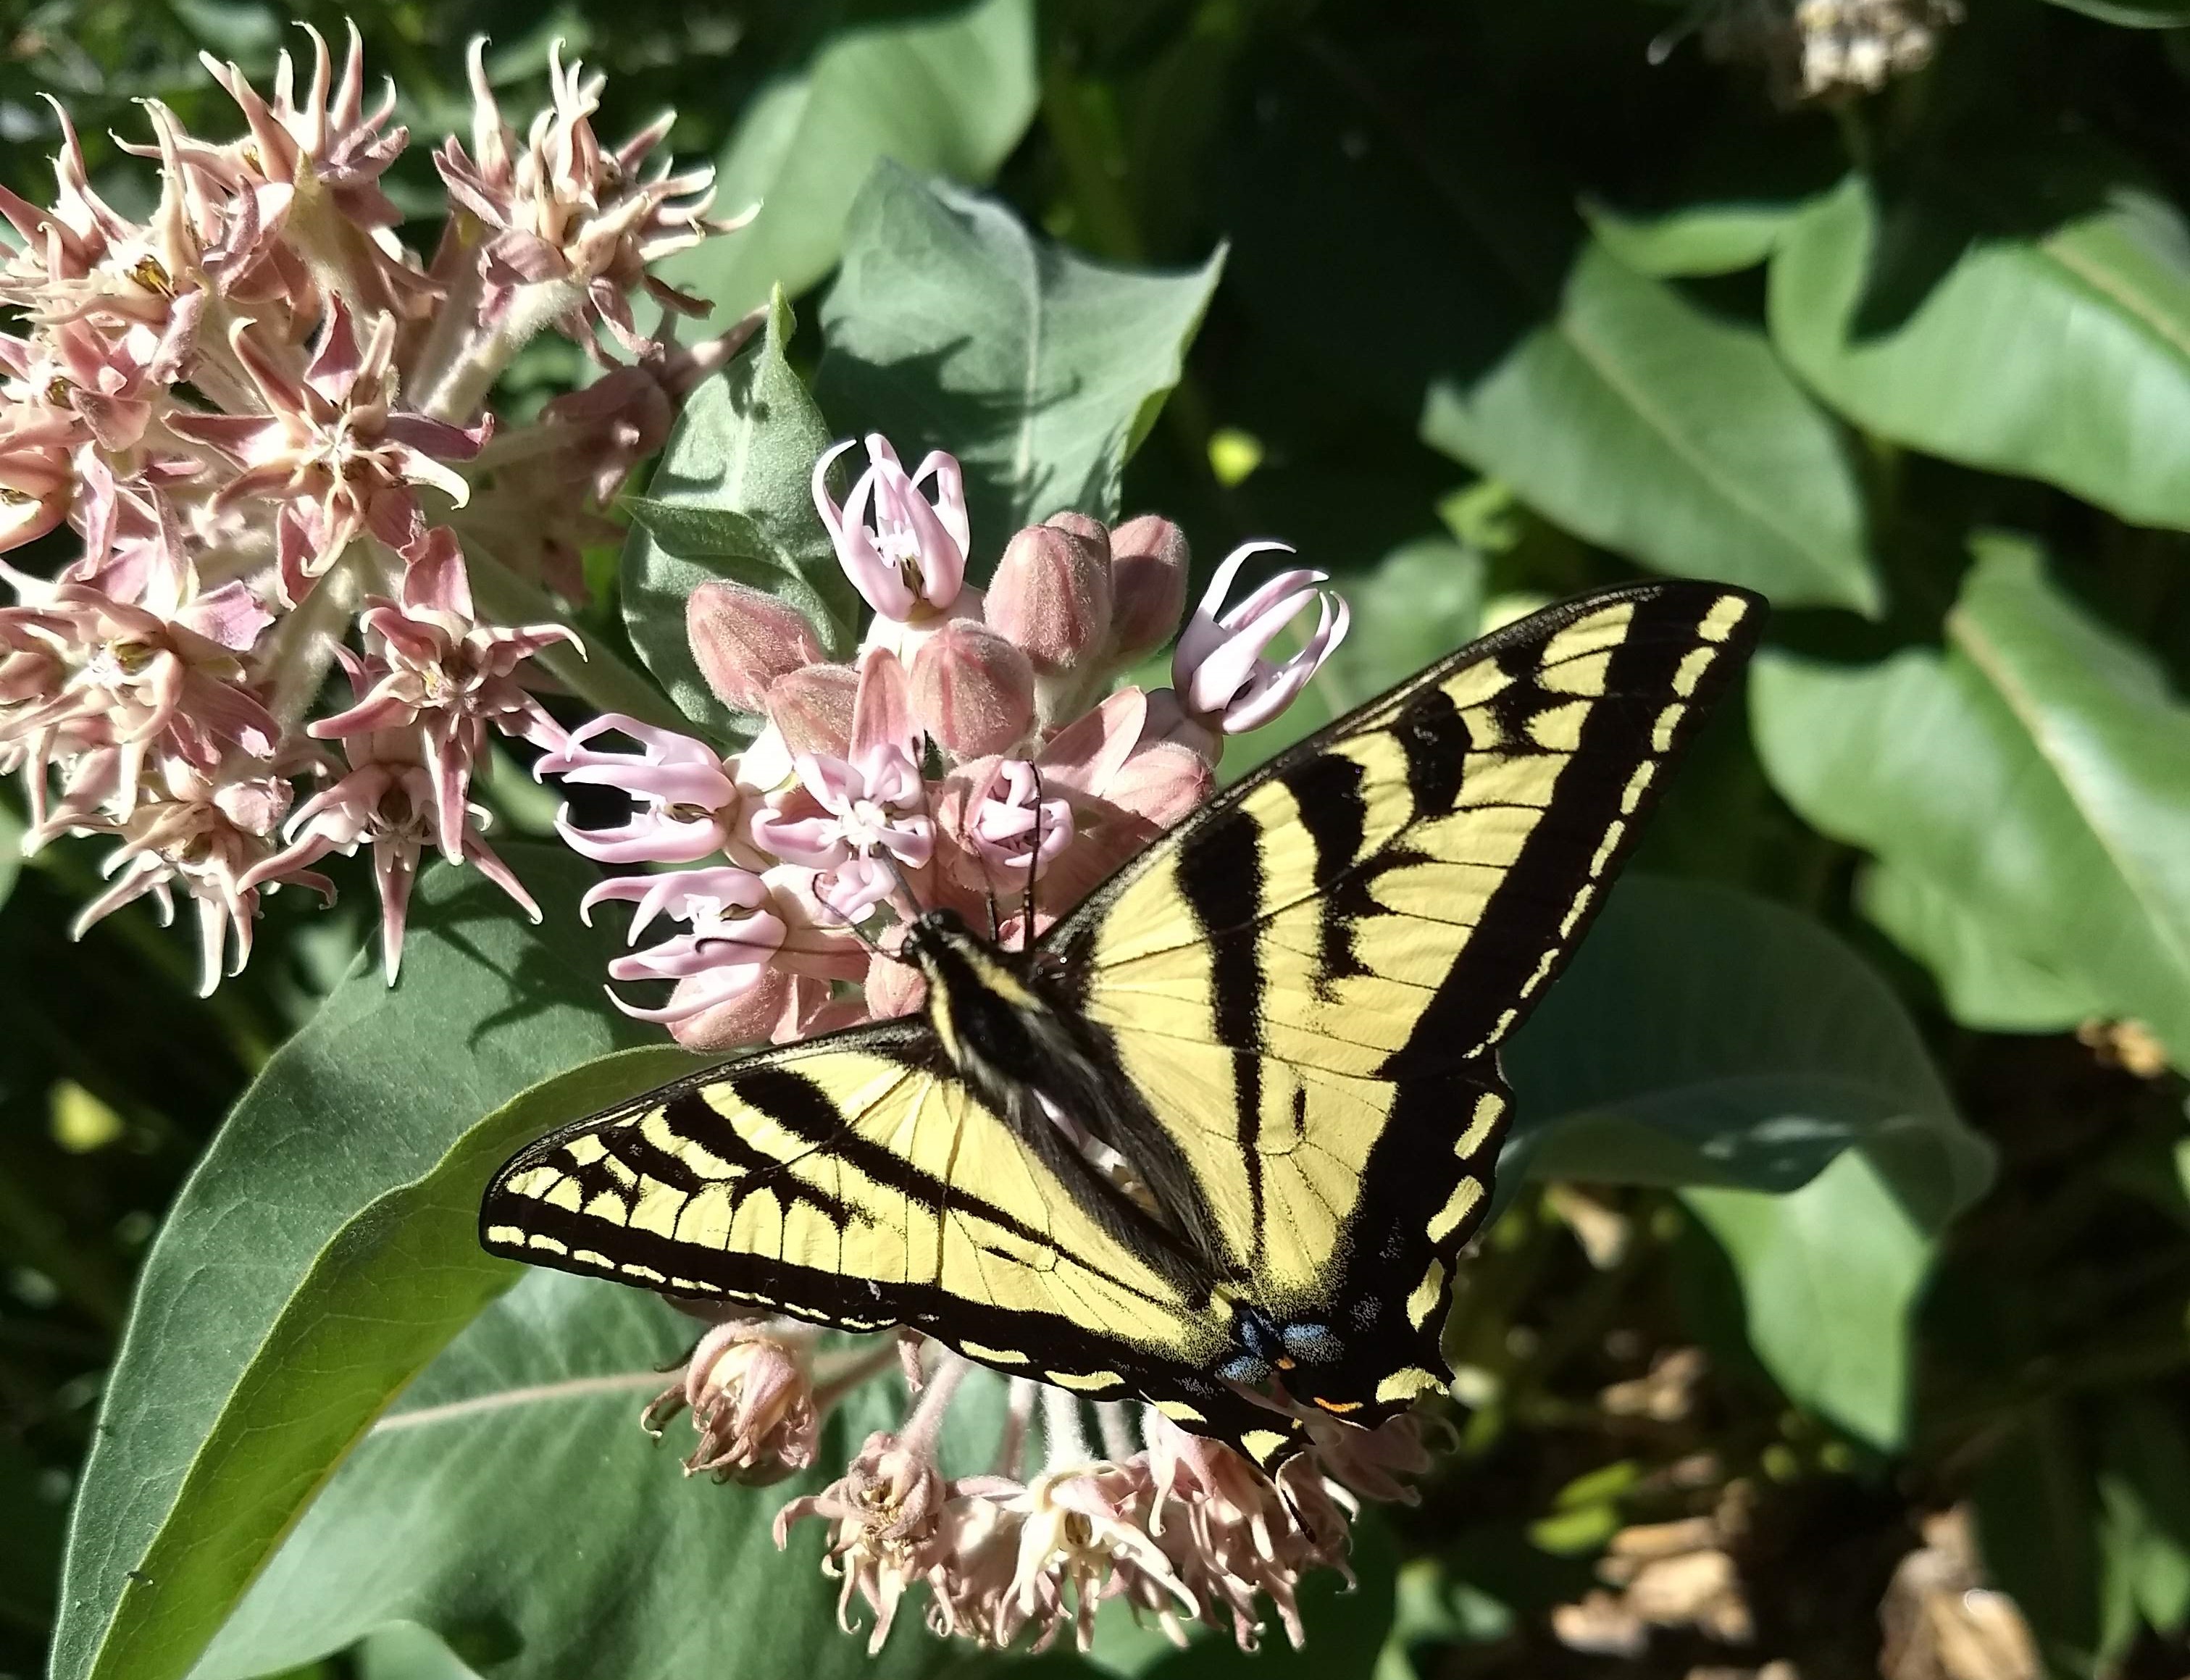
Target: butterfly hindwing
{"points": [[854, 1181]]}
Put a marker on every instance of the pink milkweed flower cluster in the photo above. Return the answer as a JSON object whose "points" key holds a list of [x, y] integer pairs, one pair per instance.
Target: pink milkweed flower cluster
{"points": [[264, 419], [976, 751]]}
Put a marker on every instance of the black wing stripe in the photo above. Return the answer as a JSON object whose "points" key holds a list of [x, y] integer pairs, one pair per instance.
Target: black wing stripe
{"points": [[690, 1117], [801, 1108], [1499, 979], [1221, 874]]}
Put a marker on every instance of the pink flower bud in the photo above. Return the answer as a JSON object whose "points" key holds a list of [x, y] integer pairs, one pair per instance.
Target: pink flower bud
{"points": [[1162, 781], [742, 640], [1149, 558], [812, 708], [894, 987], [973, 690], [1052, 595]]}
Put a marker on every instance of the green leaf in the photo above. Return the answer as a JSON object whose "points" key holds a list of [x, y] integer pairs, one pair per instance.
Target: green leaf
{"points": [[1704, 1037], [2040, 764], [2037, 1523], [1695, 240], [951, 327], [1986, 983], [2135, 13], [509, 1502], [323, 1251], [733, 498], [1829, 1275], [1474, 310], [945, 94], [11, 848], [2144, 1492], [2024, 311], [1710, 1041]]}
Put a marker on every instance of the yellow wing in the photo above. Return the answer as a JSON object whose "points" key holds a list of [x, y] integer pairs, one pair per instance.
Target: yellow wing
{"points": [[854, 1181], [1308, 980]]}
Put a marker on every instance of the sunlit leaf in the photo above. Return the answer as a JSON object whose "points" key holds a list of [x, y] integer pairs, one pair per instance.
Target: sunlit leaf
{"points": [[946, 93], [2021, 310], [322, 1252], [732, 498], [952, 326], [2040, 764]]}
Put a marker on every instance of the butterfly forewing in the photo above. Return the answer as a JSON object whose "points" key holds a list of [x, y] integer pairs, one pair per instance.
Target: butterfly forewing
{"points": [[1310, 979]]}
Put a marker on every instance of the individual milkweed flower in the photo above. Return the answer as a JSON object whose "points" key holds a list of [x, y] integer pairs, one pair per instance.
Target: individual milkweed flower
{"points": [[846, 817], [153, 663], [1233, 1535], [325, 149], [428, 661], [743, 926], [385, 800], [1148, 559], [571, 225], [203, 836], [333, 441], [1083, 1536], [37, 476], [905, 552], [687, 800], [861, 819], [1222, 681], [1014, 829], [885, 1514], [1051, 595], [750, 1390]]}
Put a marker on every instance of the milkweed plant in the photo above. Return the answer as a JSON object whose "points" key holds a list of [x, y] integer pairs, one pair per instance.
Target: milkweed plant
{"points": [[269, 424]]}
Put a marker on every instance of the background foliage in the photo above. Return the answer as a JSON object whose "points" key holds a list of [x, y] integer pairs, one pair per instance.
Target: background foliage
{"points": [[1852, 1177]]}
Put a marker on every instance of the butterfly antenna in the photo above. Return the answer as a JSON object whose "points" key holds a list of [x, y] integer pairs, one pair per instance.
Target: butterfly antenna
{"points": [[1034, 868], [901, 894], [852, 927]]}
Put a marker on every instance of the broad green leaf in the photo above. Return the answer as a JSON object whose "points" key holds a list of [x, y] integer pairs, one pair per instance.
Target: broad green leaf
{"points": [[509, 1503], [1986, 983], [951, 327], [1704, 1037], [1830, 1275], [2037, 1530], [2144, 1492], [946, 94], [1716, 1042], [320, 1253], [2135, 13], [732, 497], [2021, 310], [1695, 240], [2040, 764], [1474, 308]]}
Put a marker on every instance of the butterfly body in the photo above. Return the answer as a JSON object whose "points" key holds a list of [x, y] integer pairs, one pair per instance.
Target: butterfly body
{"points": [[1227, 1125]]}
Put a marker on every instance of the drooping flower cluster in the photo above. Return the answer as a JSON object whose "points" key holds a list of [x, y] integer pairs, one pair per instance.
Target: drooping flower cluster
{"points": [[265, 420], [975, 752]]}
